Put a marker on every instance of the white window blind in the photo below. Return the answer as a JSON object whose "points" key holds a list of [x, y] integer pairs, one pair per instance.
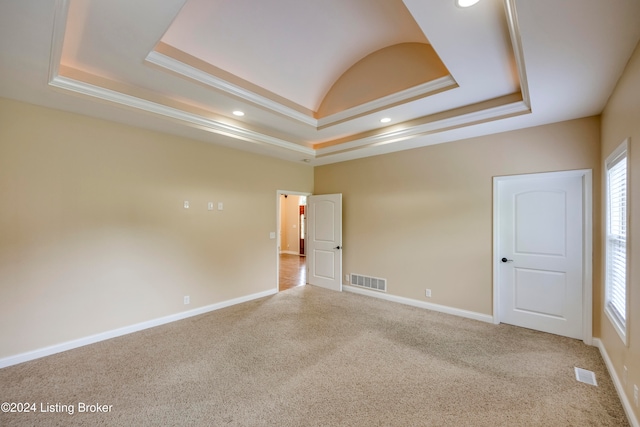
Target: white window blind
{"points": [[616, 244]]}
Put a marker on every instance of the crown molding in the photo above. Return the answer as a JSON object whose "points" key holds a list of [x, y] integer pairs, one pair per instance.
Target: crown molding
{"points": [[61, 10], [174, 113], [516, 44], [193, 73], [509, 109], [415, 128], [419, 91]]}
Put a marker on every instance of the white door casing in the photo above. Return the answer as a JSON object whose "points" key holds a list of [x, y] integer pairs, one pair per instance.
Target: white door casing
{"points": [[324, 233], [542, 238], [279, 194]]}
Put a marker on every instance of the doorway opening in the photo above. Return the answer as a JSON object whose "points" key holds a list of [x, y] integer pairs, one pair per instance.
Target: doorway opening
{"points": [[291, 265]]}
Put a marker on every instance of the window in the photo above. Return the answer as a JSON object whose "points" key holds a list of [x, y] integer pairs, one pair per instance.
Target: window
{"points": [[616, 240]]}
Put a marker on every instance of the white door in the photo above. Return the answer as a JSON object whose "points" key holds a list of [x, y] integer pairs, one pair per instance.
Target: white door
{"points": [[539, 251], [324, 228]]}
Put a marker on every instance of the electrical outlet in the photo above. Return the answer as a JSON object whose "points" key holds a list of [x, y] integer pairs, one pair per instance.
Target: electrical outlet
{"points": [[635, 394], [187, 300], [346, 278], [427, 293], [186, 204], [624, 375]]}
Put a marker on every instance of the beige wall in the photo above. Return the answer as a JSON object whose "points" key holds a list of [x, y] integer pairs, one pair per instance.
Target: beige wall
{"points": [[93, 234], [620, 120], [423, 218]]}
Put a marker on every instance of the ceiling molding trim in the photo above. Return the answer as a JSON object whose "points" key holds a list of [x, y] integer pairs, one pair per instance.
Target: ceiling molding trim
{"points": [[210, 80], [482, 116], [420, 91], [193, 119], [178, 67], [396, 134], [516, 44], [61, 10]]}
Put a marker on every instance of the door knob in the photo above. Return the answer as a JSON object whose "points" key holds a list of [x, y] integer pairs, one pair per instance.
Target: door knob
{"points": [[506, 260], [338, 247]]}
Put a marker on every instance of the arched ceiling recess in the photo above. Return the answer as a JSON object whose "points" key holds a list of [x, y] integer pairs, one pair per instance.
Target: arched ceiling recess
{"points": [[385, 72], [331, 63]]}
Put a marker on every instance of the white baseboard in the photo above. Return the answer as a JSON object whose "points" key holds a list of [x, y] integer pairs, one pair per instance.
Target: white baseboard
{"points": [[58, 348], [626, 404], [421, 304]]}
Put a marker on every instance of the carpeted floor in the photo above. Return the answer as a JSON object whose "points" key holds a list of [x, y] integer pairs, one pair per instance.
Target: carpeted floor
{"points": [[311, 357]]}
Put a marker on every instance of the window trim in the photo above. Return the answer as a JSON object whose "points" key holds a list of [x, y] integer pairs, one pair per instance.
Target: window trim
{"points": [[613, 159]]}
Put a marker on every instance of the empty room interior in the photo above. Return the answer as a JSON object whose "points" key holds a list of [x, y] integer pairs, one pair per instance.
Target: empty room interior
{"points": [[172, 174]]}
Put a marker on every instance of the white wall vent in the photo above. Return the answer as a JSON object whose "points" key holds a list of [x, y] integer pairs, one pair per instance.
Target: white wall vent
{"points": [[368, 282], [585, 376]]}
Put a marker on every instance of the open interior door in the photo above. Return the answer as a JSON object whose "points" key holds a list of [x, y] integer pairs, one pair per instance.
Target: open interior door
{"points": [[324, 243]]}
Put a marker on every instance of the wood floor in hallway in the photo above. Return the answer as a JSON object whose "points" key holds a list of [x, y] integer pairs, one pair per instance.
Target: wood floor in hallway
{"points": [[293, 271]]}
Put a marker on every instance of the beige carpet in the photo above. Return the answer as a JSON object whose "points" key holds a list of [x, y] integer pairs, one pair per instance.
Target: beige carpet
{"points": [[310, 357]]}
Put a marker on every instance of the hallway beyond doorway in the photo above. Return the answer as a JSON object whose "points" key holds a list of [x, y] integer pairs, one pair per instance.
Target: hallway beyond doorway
{"points": [[293, 271]]}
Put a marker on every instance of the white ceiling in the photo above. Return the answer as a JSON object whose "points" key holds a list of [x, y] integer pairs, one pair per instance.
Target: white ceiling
{"points": [[514, 64], [294, 48]]}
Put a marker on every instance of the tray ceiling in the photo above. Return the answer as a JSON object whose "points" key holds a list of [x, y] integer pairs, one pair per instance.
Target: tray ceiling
{"points": [[314, 79]]}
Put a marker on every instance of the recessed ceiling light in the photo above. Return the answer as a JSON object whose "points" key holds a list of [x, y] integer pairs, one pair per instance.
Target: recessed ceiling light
{"points": [[385, 120], [238, 113], [466, 3]]}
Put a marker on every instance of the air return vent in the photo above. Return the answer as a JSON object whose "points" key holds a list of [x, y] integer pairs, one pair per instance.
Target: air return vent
{"points": [[374, 283], [585, 376]]}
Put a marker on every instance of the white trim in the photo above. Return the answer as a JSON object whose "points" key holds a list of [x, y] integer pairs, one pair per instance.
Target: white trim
{"points": [[421, 304], [210, 80], [60, 13], [163, 110], [621, 150], [587, 245], [193, 73], [69, 345], [489, 114], [626, 403], [494, 253], [424, 89], [516, 44], [587, 254], [278, 229], [446, 82], [494, 113]]}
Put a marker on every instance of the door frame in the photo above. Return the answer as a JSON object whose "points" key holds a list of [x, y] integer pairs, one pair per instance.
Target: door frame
{"points": [[587, 239], [278, 229]]}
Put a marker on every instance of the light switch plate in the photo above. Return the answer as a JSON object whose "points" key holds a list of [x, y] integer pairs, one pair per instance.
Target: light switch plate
{"points": [[220, 206], [210, 206], [186, 204]]}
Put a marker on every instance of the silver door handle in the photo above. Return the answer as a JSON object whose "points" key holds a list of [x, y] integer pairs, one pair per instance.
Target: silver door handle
{"points": [[506, 260]]}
